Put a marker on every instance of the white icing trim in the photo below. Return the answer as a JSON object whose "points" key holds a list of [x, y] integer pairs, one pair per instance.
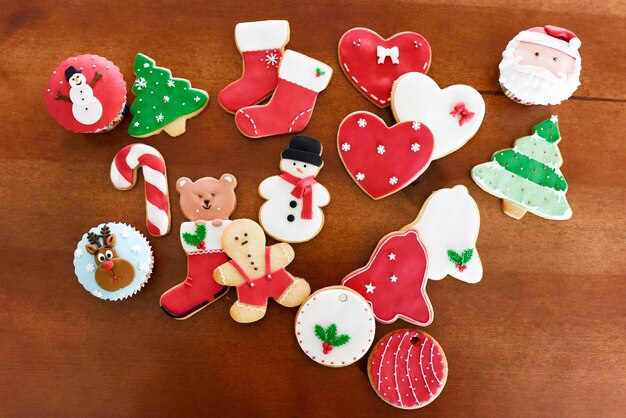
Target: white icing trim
{"points": [[568, 48], [258, 36], [249, 307], [286, 293], [432, 348], [395, 367], [300, 69], [422, 367]]}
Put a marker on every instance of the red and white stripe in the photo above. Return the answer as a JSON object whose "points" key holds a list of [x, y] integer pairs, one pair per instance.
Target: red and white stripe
{"points": [[124, 176]]}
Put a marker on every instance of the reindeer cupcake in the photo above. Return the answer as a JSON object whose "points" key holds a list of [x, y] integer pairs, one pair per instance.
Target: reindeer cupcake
{"points": [[113, 261]]}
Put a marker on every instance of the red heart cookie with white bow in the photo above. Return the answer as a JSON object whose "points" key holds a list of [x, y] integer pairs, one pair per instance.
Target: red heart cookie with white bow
{"points": [[380, 159], [373, 63]]}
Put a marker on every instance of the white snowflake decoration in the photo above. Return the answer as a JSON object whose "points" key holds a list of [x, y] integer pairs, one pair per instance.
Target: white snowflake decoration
{"points": [[380, 149], [170, 83], [141, 83], [159, 117], [362, 123], [360, 176], [166, 99], [125, 233], [146, 65], [393, 180], [345, 147], [416, 126], [78, 252], [136, 124], [271, 59], [135, 248], [143, 267], [90, 268], [197, 99], [415, 147], [97, 293]]}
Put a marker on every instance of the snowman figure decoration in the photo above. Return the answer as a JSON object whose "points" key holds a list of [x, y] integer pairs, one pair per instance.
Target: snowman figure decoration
{"points": [[86, 108], [292, 212]]}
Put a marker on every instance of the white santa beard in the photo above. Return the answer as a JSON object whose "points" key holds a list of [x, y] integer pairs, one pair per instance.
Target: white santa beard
{"points": [[535, 84]]}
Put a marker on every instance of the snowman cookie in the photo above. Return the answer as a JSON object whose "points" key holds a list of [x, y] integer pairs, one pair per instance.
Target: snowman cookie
{"points": [[407, 369], [293, 211], [541, 66], [448, 225], [113, 261], [453, 114], [394, 280], [86, 94], [335, 326]]}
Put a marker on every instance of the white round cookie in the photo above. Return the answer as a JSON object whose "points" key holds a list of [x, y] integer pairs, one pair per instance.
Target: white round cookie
{"points": [[339, 316]]}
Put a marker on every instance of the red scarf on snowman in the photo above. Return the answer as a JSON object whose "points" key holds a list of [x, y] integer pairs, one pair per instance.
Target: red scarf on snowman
{"points": [[302, 190]]}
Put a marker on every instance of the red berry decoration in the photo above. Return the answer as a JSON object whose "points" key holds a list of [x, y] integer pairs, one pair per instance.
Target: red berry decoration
{"points": [[329, 337], [408, 369]]}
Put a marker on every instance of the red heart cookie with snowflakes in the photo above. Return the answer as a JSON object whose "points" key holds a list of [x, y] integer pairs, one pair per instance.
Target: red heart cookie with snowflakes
{"points": [[380, 159], [394, 280], [373, 63]]}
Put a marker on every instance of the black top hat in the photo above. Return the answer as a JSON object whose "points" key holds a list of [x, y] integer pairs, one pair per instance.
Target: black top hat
{"points": [[304, 148], [70, 71]]}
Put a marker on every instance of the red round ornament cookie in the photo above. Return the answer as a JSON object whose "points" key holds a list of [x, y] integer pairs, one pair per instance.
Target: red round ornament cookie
{"points": [[86, 94], [407, 369]]}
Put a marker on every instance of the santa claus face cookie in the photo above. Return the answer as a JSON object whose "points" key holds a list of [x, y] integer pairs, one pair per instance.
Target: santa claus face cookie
{"points": [[86, 94], [335, 326], [408, 369], [541, 66]]}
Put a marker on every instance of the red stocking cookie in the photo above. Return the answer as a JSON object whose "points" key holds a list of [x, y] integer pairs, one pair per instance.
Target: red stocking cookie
{"points": [[300, 79], [372, 63], [408, 369], [383, 160], [335, 326], [394, 280], [262, 46], [207, 203]]}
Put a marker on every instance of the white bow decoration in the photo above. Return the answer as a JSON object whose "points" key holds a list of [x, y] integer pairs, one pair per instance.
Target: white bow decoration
{"points": [[393, 53]]}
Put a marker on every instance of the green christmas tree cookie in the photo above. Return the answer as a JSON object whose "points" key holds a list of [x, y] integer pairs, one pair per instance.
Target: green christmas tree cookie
{"points": [[162, 103], [527, 177]]}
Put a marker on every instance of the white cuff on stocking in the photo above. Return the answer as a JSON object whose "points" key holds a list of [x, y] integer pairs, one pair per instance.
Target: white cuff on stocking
{"points": [[257, 36], [304, 71]]}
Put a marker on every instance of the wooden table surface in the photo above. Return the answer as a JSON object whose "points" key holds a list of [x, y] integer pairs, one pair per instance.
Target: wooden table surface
{"points": [[543, 334]]}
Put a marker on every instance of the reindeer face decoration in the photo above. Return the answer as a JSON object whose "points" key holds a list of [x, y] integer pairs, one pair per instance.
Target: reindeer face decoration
{"points": [[112, 272]]}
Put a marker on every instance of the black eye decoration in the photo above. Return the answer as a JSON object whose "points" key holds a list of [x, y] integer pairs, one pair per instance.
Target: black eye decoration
{"points": [[245, 234], [555, 59], [536, 54], [294, 164], [236, 238], [305, 166]]}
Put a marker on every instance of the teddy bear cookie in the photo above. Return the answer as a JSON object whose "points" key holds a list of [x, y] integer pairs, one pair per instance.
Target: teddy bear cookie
{"points": [[207, 203], [453, 114], [292, 212], [448, 225], [541, 66], [262, 45], [335, 326], [528, 177], [86, 94], [162, 103], [258, 272], [394, 280], [407, 369], [113, 261]]}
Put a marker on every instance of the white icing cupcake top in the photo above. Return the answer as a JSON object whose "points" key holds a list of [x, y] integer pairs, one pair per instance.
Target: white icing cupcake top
{"points": [[335, 326]]}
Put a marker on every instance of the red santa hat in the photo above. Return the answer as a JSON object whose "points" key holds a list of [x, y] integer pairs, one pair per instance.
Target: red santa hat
{"points": [[554, 37]]}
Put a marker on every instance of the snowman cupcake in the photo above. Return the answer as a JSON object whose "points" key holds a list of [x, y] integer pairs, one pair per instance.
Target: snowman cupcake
{"points": [[86, 94], [113, 261]]}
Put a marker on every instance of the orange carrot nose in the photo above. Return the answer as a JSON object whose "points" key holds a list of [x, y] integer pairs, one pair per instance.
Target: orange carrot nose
{"points": [[108, 265], [299, 170]]}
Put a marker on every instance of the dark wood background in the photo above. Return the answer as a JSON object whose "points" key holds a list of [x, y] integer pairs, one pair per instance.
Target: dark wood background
{"points": [[543, 334]]}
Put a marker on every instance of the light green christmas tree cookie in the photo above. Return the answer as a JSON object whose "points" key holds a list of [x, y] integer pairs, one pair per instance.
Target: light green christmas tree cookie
{"points": [[162, 103], [527, 177]]}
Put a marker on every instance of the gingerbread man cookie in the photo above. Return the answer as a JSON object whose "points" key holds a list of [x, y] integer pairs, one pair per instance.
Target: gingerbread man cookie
{"points": [[258, 272]]}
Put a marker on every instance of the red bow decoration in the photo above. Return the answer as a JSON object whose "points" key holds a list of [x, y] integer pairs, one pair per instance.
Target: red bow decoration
{"points": [[303, 190], [466, 115]]}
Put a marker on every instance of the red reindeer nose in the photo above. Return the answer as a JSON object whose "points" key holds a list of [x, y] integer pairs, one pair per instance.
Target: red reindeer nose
{"points": [[108, 265]]}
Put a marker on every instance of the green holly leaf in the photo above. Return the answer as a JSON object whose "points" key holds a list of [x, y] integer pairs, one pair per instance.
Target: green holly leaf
{"points": [[467, 256], [197, 238], [331, 333], [320, 332], [319, 71], [455, 257], [340, 340]]}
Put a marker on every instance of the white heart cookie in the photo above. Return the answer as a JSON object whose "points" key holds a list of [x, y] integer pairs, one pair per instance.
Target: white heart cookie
{"points": [[447, 112]]}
